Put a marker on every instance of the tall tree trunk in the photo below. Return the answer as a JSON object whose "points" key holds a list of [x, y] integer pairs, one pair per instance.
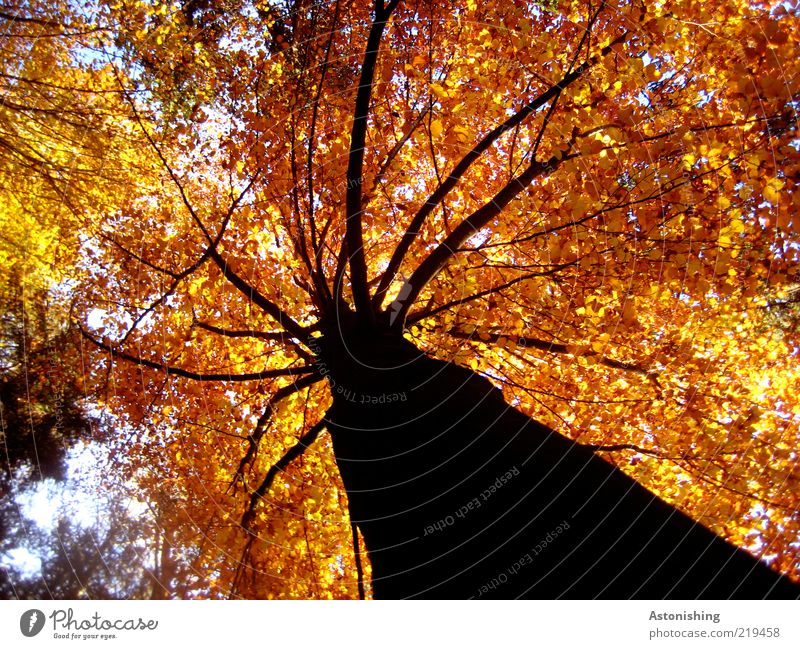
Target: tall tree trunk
{"points": [[459, 495]]}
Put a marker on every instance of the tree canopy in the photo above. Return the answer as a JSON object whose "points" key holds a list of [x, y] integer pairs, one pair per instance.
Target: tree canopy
{"points": [[591, 204]]}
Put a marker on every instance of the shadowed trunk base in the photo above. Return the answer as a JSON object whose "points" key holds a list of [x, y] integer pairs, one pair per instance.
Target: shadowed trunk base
{"points": [[458, 495]]}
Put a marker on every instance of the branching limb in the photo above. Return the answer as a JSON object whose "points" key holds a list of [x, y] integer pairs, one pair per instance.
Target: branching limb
{"points": [[312, 139], [434, 262], [354, 240], [627, 447], [390, 157], [266, 416], [269, 307], [279, 336], [499, 288], [547, 346], [241, 333], [17, 18], [288, 457], [197, 376], [299, 237], [466, 162]]}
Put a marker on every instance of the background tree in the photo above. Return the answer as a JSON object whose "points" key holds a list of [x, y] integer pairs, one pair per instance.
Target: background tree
{"points": [[95, 546], [59, 126], [65, 156], [589, 204]]}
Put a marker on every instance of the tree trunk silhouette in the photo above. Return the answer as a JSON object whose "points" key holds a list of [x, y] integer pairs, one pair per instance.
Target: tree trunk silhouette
{"points": [[459, 495]]}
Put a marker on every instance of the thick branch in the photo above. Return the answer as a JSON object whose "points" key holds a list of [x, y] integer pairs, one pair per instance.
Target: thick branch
{"points": [[434, 262], [197, 376], [625, 447], [242, 333], [355, 166], [544, 345], [269, 307], [299, 239], [312, 139], [279, 336], [16, 18], [499, 288]]}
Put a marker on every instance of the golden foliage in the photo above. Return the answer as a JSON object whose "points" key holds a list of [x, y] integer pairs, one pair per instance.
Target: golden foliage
{"points": [[623, 292]]}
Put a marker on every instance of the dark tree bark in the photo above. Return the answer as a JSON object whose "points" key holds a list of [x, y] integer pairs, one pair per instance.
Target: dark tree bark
{"points": [[459, 495]]}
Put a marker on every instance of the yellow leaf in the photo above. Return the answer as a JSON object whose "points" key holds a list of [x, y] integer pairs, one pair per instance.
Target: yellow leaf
{"points": [[579, 206], [629, 312], [439, 91], [771, 195]]}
